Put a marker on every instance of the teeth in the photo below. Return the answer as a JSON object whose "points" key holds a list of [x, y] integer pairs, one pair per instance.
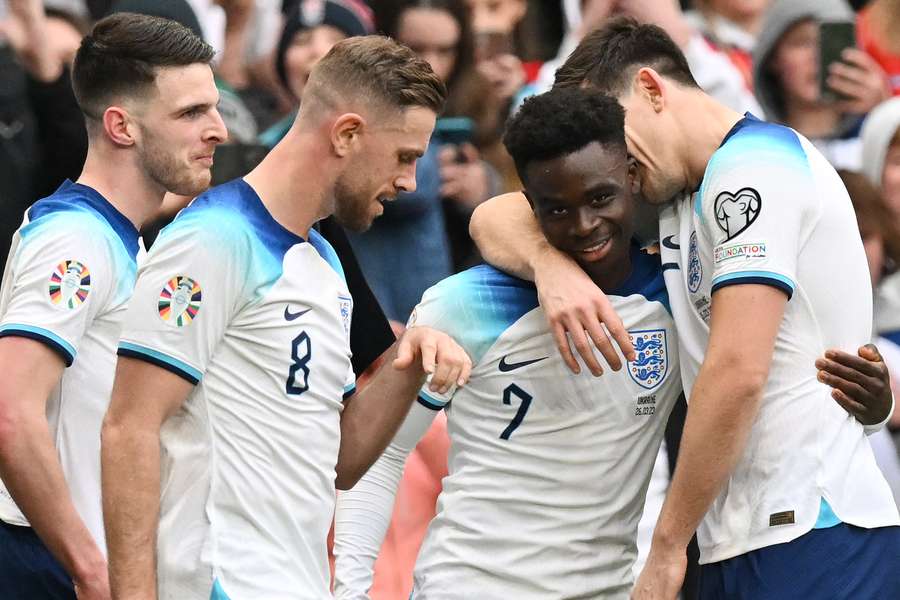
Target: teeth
{"points": [[595, 248]]}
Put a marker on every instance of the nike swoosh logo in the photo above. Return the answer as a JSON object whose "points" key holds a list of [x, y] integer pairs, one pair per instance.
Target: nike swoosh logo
{"points": [[668, 243], [506, 367], [289, 316]]}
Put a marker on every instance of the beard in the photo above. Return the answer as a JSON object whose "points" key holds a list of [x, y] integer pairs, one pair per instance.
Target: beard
{"points": [[351, 204], [162, 167]]}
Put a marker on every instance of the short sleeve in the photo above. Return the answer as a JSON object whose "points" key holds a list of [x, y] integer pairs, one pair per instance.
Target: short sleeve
{"points": [[59, 279], [190, 287], [757, 207]]}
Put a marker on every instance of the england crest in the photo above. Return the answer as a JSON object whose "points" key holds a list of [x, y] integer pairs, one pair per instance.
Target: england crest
{"points": [[649, 368]]}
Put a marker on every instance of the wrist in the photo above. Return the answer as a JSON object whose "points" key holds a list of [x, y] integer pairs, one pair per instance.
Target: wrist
{"points": [[88, 564], [667, 541], [546, 260]]}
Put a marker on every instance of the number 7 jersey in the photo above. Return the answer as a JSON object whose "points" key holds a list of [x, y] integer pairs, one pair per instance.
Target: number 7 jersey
{"points": [[547, 470]]}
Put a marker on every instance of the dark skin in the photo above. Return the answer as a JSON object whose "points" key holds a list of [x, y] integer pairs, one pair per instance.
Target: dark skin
{"points": [[583, 200]]}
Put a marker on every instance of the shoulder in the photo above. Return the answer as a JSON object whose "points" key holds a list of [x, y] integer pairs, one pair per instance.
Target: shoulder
{"points": [[324, 248]]}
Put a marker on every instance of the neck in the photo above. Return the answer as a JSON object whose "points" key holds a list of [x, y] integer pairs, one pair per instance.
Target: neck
{"points": [[813, 120], [703, 136], [609, 277], [292, 183], [125, 186], [884, 18]]}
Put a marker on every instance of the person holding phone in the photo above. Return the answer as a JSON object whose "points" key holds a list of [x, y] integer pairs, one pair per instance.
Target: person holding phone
{"points": [[809, 76]]}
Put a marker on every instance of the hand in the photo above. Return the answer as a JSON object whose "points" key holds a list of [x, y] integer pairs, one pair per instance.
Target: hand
{"points": [[464, 182], [662, 576], [574, 305], [93, 585], [862, 384], [860, 79], [504, 75], [441, 357]]}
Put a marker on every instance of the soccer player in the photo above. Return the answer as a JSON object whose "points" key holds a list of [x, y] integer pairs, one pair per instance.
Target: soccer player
{"points": [[149, 100], [765, 271], [234, 356], [548, 471]]}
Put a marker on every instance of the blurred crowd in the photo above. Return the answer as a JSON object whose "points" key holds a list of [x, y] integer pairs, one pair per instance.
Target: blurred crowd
{"points": [[828, 68]]}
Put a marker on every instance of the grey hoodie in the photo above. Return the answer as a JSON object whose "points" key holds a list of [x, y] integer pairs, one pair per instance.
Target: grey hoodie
{"points": [[780, 16]]}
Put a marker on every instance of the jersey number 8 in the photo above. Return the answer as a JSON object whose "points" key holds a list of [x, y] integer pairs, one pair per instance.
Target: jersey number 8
{"points": [[301, 351]]}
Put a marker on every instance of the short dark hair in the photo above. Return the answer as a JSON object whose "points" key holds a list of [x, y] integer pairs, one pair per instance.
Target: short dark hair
{"points": [[562, 121], [608, 58], [380, 71], [121, 54]]}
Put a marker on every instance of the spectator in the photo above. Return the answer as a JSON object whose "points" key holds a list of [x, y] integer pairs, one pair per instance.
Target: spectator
{"points": [[731, 26], [310, 30], [880, 233], [878, 29], [786, 73], [881, 166]]}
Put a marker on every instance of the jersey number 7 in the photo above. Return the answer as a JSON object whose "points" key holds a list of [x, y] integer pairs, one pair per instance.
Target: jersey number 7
{"points": [[510, 391]]}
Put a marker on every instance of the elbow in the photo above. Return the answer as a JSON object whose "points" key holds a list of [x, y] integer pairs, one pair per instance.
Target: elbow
{"points": [[110, 432], [746, 380], [11, 424], [346, 479], [476, 223]]}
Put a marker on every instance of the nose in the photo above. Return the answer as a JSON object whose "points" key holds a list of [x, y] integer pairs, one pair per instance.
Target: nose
{"points": [[406, 182], [586, 221], [217, 133]]}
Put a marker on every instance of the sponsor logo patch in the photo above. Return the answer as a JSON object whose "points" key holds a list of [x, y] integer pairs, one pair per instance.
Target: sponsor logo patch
{"points": [[737, 211], [750, 250], [179, 301], [649, 368], [69, 284], [781, 518]]}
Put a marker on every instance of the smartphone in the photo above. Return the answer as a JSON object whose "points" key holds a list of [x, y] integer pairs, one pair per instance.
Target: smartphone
{"points": [[454, 130], [834, 38], [491, 44]]}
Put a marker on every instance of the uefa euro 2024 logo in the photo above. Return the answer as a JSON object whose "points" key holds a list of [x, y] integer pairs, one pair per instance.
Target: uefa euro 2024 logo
{"points": [[649, 368]]}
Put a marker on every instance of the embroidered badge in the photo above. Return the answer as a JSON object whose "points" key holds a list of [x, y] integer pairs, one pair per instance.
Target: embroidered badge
{"points": [[179, 301], [70, 284]]}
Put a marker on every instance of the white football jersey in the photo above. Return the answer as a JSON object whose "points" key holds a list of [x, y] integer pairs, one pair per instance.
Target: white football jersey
{"points": [[259, 319], [772, 211], [68, 278], [547, 470]]}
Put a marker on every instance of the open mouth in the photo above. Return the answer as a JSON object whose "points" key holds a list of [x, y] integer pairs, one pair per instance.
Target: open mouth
{"points": [[596, 250]]}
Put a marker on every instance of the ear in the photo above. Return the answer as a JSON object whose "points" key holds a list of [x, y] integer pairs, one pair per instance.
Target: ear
{"points": [[651, 87], [345, 133], [118, 126]]}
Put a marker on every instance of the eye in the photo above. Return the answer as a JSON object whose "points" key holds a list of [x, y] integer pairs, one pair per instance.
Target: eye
{"points": [[601, 200], [558, 212], [194, 112]]}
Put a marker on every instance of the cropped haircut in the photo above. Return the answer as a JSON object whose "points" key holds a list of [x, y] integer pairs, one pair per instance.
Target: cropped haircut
{"points": [[608, 58], [121, 55], [378, 71], [562, 121]]}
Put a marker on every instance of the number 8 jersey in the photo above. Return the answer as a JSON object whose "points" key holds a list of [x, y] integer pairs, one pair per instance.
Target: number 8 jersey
{"points": [[547, 470], [258, 318]]}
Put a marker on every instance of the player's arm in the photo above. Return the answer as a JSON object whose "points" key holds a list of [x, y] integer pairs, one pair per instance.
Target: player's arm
{"points": [[29, 464], [371, 418], [143, 397], [364, 512], [861, 384], [508, 236], [724, 403]]}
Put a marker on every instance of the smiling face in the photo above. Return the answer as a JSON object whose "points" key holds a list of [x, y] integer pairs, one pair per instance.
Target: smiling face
{"points": [[180, 128], [383, 165], [307, 47], [584, 206]]}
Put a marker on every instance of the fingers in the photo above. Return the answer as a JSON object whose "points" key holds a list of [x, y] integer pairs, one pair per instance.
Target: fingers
{"points": [[405, 354], [447, 156], [860, 59], [470, 153], [601, 341], [445, 375], [616, 329], [577, 335], [854, 408], [562, 344], [870, 352], [849, 388], [852, 362]]}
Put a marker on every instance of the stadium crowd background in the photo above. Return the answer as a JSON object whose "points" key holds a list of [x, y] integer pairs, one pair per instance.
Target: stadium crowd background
{"points": [[760, 56]]}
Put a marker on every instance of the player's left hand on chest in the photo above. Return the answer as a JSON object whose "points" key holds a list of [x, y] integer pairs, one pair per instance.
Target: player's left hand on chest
{"points": [[440, 357], [861, 383]]}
